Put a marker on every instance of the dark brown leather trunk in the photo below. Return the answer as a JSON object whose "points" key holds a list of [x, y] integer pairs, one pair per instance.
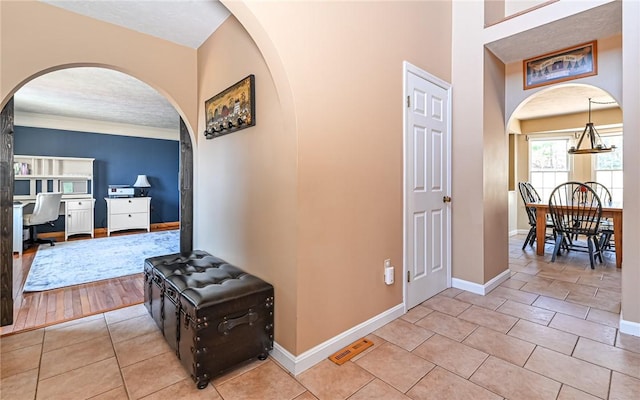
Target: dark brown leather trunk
{"points": [[214, 315]]}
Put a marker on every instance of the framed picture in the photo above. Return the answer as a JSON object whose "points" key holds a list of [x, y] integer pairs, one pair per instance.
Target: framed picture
{"points": [[231, 110], [559, 66]]}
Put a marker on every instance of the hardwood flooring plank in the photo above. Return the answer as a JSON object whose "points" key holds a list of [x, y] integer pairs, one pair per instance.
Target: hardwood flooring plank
{"points": [[20, 320], [76, 303], [68, 303], [33, 309], [41, 311], [84, 300]]}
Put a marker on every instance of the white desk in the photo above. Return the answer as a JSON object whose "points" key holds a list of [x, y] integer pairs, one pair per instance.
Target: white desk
{"points": [[78, 217], [17, 227]]}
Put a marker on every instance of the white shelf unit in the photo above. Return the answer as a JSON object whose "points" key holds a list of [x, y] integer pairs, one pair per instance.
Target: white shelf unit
{"points": [[71, 173], [72, 176]]}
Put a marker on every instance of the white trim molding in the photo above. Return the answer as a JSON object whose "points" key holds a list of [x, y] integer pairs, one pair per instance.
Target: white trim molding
{"points": [[306, 360], [629, 327], [36, 120], [478, 288]]}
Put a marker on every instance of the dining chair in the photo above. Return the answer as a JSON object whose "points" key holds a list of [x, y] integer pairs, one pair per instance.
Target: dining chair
{"points": [[601, 190], [530, 195], [576, 209], [606, 225]]}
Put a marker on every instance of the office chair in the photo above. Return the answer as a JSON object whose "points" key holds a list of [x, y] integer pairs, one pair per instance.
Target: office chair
{"points": [[45, 211]]}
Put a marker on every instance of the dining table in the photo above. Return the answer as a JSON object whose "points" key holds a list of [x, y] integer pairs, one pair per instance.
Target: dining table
{"points": [[611, 210]]}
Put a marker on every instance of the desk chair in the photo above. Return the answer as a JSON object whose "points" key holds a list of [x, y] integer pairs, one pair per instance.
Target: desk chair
{"points": [[45, 211]]}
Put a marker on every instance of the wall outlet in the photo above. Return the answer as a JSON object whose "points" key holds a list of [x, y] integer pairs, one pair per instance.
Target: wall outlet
{"points": [[388, 272]]}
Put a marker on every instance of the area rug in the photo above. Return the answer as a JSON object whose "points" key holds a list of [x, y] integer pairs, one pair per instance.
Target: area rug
{"points": [[82, 261]]}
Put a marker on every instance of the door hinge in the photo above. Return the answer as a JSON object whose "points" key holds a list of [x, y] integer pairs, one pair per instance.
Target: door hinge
{"points": [[409, 276], [408, 101]]}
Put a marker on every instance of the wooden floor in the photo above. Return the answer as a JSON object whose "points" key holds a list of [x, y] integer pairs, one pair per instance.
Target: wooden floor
{"points": [[34, 310]]}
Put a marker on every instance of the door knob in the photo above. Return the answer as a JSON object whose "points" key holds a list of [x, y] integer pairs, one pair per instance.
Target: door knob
{"points": [[446, 199]]}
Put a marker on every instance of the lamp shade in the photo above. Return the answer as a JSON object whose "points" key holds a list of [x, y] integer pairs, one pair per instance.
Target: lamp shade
{"points": [[142, 182]]}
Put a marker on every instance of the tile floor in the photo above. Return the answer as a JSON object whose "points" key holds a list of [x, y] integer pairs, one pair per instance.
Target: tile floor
{"points": [[549, 332]]}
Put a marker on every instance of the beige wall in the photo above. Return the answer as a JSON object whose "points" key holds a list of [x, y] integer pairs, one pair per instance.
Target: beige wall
{"points": [[342, 137], [345, 75], [245, 191], [325, 175], [38, 38], [631, 119], [609, 77], [494, 11], [512, 7], [573, 122], [522, 175], [496, 169], [468, 188], [497, 10]]}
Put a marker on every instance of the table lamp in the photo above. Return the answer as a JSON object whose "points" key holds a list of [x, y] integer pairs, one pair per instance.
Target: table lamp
{"points": [[142, 183]]}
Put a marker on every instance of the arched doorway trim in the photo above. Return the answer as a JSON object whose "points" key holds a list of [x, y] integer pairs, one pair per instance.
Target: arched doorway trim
{"points": [[6, 177]]}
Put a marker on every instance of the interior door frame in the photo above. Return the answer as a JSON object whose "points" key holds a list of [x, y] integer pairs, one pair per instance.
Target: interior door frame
{"points": [[407, 68], [6, 214], [6, 205]]}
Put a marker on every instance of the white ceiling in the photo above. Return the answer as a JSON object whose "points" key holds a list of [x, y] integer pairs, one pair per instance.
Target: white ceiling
{"points": [[185, 22], [599, 22], [96, 94], [565, 100], [107, 95]]}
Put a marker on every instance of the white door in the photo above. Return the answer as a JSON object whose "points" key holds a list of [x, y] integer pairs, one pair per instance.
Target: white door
{"points": [[426, 186]]}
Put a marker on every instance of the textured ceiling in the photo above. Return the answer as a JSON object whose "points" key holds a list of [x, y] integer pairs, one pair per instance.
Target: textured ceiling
{"points": [[565, 100], [599, 22], [186, 22], [97, 94]]}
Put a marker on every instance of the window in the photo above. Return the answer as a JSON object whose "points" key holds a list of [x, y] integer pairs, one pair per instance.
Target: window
{"points": [[608, 167], [548, 164]]}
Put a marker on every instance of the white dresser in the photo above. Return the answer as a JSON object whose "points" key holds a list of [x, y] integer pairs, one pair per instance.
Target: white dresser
{"points": [[128, 213], [79, 217]]}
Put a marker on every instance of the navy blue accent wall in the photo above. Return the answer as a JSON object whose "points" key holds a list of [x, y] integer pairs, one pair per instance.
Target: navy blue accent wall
{"points": [[118, 161]]}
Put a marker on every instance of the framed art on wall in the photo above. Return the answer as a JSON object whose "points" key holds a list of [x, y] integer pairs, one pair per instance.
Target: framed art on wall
{"points": [[562, 65], [232, 109]]}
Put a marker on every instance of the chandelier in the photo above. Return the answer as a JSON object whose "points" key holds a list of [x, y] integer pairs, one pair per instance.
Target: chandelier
{"points": [[595, 141]]}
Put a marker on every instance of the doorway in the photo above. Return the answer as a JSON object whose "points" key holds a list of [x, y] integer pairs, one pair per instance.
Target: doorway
{"points": [[185, 215], [427, 185], [557, 116]]}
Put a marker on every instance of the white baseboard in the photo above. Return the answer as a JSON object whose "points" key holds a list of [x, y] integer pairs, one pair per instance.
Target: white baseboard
{"points": [[513, 232], [478, 288], [306, 360], [629, 327]]}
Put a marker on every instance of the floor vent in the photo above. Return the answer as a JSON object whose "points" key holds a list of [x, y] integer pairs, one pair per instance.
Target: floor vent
{"points": [[351, 351]]}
